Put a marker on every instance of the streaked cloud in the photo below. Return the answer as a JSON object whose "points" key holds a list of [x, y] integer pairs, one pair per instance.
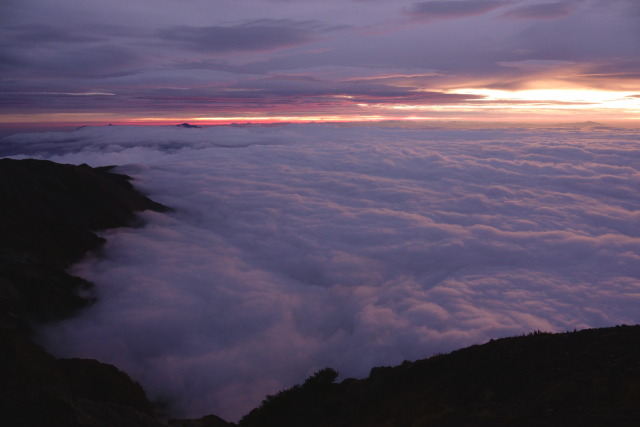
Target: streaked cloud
{"points": [[552, 10], [443, 9]]}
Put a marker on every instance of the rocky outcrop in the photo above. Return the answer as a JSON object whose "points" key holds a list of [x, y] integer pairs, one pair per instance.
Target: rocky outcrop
{"points": [[48, 217]]}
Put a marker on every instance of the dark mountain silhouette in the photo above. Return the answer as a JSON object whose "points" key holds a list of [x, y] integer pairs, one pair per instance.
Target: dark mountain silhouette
{"points": [[47, 221], [187, 125], [48, 215], [585, 378]]}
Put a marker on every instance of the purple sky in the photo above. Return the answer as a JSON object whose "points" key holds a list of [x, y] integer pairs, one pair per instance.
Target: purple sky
{"points": [[149, 61]]}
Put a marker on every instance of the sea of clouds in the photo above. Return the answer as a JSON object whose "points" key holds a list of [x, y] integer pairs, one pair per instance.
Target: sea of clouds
{"points": [[296, 247]]}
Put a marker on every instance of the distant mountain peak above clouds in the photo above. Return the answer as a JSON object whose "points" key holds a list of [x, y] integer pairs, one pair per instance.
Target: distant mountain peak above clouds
{"points": [[187, 125]]}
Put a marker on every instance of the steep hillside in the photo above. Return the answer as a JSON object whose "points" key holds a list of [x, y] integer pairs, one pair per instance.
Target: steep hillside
{"points": [[48, 215]]}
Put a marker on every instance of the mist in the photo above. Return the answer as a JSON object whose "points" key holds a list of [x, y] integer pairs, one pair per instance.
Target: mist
{"points": [[292, 248]]}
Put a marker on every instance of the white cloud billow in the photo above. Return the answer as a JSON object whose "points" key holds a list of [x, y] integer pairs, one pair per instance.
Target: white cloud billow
{"points": [[303, 246]]}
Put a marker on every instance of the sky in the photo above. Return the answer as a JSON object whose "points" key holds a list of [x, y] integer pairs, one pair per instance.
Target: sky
{"points": [[296, 247], [72, 62]]}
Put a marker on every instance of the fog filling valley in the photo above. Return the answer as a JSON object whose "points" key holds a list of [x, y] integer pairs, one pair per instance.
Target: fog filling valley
{"points": [[293, 248]]}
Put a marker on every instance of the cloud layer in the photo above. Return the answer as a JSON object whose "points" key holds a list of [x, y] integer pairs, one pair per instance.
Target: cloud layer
{"points": [[303, 246]]}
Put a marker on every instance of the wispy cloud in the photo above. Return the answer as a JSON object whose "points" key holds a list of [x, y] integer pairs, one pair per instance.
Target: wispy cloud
{"points": [[436, 10], [543, 11]]}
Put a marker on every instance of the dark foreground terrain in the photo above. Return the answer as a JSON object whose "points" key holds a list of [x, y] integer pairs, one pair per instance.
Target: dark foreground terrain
{"points": [[585, 378], [48, 215]]}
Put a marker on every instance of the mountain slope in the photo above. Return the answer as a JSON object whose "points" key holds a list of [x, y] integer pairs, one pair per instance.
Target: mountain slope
{"points": [[588, 378], [48, 217]]}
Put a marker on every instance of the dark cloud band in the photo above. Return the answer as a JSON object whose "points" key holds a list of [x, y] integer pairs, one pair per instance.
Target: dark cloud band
{"points": [[255, 36]]}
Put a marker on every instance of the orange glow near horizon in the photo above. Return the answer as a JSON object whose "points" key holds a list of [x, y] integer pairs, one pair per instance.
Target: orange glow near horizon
{"points": [[483, 105]]}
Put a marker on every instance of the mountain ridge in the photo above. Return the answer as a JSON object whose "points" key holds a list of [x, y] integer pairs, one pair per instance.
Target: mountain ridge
{"points": [[49, 216]]}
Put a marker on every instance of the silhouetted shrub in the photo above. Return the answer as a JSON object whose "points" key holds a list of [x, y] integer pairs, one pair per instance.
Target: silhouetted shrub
{"points": [[323, 376]]}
